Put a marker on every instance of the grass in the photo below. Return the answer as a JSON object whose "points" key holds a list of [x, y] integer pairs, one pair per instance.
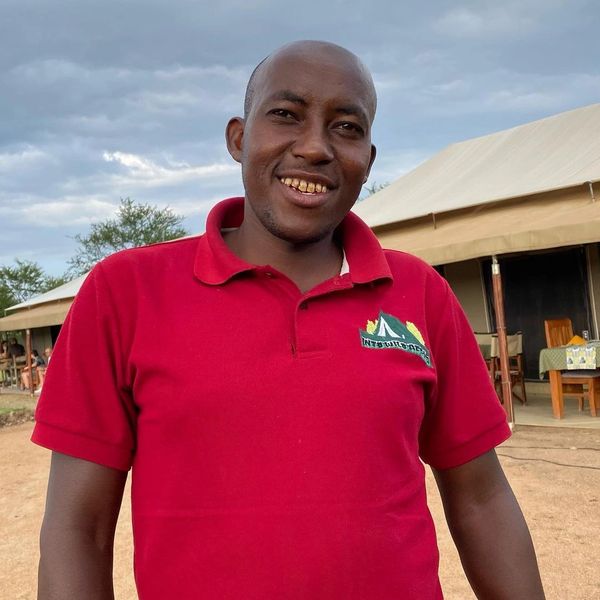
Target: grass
{"points": [[16, 408]]}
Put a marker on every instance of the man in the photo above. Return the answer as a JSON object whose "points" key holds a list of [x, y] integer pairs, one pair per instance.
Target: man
{"points": [[42, 369], [15, 349], [273, 384]]}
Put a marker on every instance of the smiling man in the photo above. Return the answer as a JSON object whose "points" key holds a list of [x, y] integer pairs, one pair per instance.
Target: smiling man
{"points": [[305, 150], [274, 385]]}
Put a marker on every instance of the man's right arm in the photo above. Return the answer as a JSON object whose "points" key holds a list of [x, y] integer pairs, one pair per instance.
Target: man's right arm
{"points": [[76, 542]]}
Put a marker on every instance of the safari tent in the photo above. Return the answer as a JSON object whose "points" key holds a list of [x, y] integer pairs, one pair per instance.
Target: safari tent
{"points": [[42, 315], [530, 196]]}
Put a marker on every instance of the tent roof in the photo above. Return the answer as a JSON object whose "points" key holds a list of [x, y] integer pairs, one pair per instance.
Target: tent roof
{"points": [[42, 315], [49, 308], [554, 153], [67, 290], [550, 220]]}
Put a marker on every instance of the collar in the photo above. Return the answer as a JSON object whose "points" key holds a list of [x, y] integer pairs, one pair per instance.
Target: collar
{"points": [[215, 264]]}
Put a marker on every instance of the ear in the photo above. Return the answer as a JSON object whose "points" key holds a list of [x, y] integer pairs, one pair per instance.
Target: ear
{"points": [[371, 161], [234, 135]]}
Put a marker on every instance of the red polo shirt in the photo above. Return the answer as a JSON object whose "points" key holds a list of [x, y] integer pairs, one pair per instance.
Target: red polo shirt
{"points": [[275, 436]]}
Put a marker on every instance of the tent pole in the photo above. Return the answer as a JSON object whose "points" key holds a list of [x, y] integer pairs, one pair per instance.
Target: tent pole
{"points": [[28, 355], [502, 343]]}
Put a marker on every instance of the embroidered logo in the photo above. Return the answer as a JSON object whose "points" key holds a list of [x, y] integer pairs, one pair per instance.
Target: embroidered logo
{"points": [[388, 332]]}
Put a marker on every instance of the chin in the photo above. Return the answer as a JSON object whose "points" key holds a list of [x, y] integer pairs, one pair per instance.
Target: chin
{"points": [[304, 240], [298, 237], [298, 234]]}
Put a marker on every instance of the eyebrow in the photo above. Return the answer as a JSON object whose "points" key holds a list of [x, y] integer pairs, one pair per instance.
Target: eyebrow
{"points": [[346, 109], [289, 96], [353, 109]]}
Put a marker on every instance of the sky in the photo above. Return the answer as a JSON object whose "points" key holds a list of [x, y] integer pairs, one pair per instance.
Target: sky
{"points": [[102, 100]]}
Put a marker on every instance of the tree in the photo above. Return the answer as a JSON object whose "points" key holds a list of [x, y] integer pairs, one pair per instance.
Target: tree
{"points": [[136, 224], [22, 281], [374, 188], [6, 299]]}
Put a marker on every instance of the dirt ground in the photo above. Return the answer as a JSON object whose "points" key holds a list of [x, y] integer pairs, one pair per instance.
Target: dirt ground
{"points": [[554, 472]]}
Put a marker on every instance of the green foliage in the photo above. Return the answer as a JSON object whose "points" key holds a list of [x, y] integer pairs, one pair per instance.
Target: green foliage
{"points": [[136, 224], [22, 281], [6, 299]]}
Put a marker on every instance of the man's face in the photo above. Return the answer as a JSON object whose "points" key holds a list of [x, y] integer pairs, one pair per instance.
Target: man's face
{"points": [[305, 147]]}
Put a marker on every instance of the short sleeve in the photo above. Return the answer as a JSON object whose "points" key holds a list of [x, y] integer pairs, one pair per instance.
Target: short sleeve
{"points": [[86, 408], [463, 417]]}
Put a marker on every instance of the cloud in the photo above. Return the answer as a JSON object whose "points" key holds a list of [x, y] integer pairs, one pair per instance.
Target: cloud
{"points": [[499, 20], [28, 157], [60, 98], [496, 21], [70, 211], [144, 171], [491, 92], [506, 91], [131, 99]]}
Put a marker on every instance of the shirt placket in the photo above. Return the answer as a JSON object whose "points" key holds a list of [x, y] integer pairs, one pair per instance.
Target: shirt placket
{"points": [[310, 338]]}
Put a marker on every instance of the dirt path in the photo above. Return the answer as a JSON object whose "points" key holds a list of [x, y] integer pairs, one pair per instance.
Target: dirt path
{"points": [[561, 504]]}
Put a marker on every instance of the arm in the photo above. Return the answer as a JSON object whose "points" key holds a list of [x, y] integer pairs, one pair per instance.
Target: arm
{"points": [[489, 531], [76, 542]]}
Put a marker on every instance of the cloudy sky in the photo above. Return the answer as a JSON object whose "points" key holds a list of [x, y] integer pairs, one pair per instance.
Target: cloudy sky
{"points": [[107, 99]]}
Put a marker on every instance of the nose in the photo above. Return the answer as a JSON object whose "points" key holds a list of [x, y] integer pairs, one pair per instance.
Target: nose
{"points": [[313, 144]]}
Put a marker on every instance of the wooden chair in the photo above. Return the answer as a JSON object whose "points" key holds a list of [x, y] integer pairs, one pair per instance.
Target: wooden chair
{"points": [[484, 339], [515, 364], [558, 332], [574, 383]]}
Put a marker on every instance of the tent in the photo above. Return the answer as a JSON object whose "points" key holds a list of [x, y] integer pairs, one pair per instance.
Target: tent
{"points": [[44, 310], [538, 180], [532, 187]]}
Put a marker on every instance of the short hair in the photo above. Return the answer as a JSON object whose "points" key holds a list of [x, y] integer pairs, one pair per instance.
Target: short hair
{"points": [[250, 87], [249, 96]]}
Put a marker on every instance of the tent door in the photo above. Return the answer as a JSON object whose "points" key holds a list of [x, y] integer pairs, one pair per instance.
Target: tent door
{"points": [[540, 286]]}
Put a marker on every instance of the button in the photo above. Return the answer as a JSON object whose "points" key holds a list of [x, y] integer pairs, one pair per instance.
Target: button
{"points": [[268, 274], [304, 305]]}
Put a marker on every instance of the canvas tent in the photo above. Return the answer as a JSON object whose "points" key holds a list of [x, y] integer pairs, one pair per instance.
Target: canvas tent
{"points": [[528, 188], [44, 310], [510, 194]]}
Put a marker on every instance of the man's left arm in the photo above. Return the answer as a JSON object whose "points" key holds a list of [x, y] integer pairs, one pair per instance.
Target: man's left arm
{"points": [[489, 530]]}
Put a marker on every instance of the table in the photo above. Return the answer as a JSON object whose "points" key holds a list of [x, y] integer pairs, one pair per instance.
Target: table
{"points": [[560, 358]]}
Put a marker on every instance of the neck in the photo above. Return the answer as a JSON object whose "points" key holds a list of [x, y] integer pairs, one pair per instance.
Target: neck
{"points": [[307, 265]]}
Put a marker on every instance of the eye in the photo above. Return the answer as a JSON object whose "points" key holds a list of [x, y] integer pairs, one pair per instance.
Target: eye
{"points": [[350, 127], [282, 113]]}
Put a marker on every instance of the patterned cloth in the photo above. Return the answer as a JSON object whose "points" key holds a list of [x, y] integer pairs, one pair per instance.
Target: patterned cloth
{"points": [[563, 358], [581, 357]]}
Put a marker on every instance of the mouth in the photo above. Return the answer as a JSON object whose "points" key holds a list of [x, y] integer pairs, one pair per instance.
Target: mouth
{"points": [[304, 186]]}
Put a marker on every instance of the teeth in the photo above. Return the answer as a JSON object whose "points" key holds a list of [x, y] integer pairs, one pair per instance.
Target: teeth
{"points": [[307, 187]]}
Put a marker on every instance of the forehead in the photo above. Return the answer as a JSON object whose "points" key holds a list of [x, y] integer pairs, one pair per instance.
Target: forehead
{"points": [[319, 75]]}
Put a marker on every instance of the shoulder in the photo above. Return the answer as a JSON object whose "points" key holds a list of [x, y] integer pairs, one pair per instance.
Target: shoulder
{"points": [[151, 255], [128, 276], [397, 258], [152, 264], [409, 270]]}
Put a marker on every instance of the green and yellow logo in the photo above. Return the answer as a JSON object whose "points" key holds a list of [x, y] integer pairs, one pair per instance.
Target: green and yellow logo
{"points": [[388, 332]]}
